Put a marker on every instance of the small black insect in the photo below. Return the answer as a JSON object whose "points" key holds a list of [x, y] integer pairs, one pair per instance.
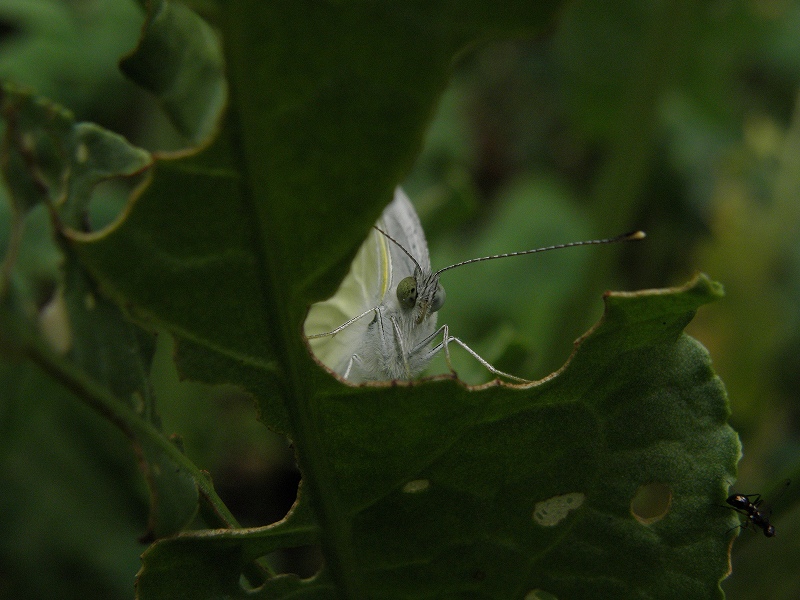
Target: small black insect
{"points": [[750, 506]]}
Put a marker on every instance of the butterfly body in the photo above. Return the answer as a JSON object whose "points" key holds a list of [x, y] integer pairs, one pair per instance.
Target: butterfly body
{"points": [[381, 322], [390, 340]]}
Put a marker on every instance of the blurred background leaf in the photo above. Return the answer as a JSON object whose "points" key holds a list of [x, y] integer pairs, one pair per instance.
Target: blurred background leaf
{"points": [[544, 119], [675, 117]]}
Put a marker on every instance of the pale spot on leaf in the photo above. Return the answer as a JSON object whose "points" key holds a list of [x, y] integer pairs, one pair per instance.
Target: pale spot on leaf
{"points": [[54, 324], [416, 486], [552, 511], [137, 401], [81, 153]]}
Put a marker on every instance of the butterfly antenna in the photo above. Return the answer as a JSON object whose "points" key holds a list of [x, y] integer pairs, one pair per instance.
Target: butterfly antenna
{"points": [[626, 237], [398, 244]]}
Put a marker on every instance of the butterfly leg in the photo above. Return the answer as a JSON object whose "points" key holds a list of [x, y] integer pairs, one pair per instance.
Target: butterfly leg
{"points": [[428, 354], [445, 335], [353, 359], [401, 347], [341, 327], [483, 361], [445, 344]]}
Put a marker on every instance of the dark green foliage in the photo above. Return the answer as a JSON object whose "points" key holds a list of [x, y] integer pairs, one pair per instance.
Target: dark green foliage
{"points": [[292, 123]]}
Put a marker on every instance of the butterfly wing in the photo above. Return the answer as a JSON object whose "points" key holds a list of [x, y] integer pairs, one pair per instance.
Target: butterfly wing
{"points": [[362, 289], [402, 223], [370, 284]]}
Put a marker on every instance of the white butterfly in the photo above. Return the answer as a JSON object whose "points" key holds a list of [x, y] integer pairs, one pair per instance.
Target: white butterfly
{"points": [[391, 280]]}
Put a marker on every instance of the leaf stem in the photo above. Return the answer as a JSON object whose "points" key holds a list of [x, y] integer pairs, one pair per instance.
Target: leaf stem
{"points": [[125, 418], [133, 426]]}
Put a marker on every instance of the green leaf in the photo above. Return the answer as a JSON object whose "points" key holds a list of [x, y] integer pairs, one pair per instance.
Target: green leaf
{"points": [[180, 60], [37, 135], [451, 510], [71, 499], [420, 490], [99, 155], [51, 308], [50, 159], [69, 52]]}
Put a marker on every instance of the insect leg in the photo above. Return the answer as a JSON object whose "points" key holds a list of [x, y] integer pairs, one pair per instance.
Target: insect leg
{"points": [[742, 525], [398, 338], [344, 325], [429, 354], [755, 502], [353, 359], [445, 345], [447, 338]]}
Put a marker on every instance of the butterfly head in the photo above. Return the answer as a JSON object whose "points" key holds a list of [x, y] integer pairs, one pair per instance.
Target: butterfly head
{"points": [[421, 293]]}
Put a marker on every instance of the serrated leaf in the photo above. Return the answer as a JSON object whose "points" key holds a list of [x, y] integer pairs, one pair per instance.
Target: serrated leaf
{"points": [[51, 307], [423, 490], [36, 136], [179, 59], [99, 155], [176, 570], [50, 159], [450, 513]]}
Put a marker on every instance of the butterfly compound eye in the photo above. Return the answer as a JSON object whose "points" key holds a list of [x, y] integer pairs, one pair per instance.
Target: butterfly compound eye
{"points": [[438, 298], [407, 292]]}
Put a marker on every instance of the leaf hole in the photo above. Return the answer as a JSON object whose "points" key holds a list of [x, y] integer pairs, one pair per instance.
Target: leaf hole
{"points": [[109, 199], [651, 502], [302, 562], [552, 511]]}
